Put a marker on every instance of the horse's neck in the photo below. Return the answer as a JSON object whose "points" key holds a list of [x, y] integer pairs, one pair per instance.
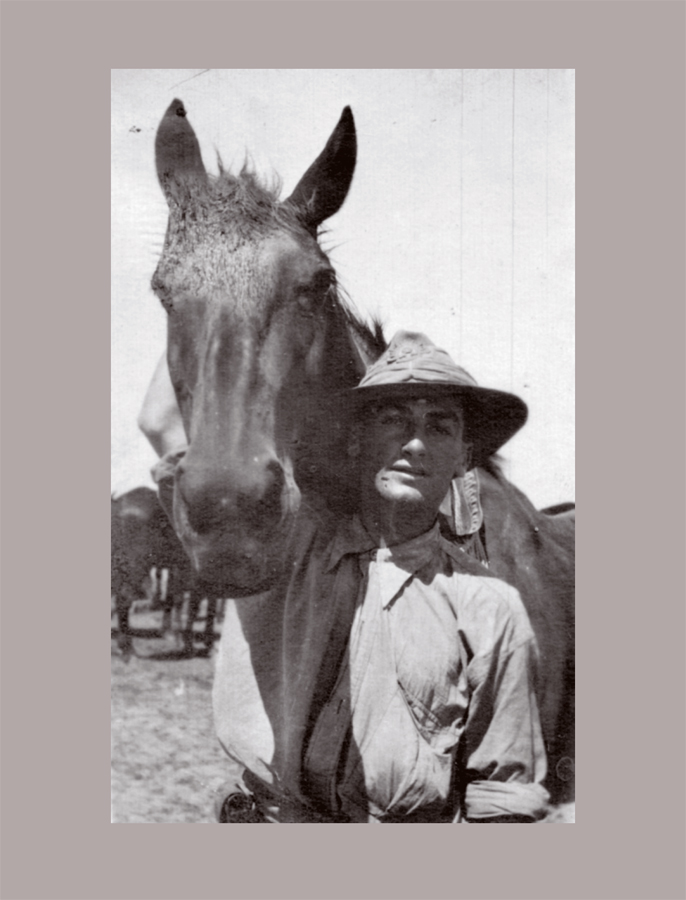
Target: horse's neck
{"points": [[517, 534], [498, 494], [322, 464]]}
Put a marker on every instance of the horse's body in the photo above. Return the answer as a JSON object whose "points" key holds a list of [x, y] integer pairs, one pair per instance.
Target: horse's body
{"points": [[143, 539], [534, 551], [259, 345]]}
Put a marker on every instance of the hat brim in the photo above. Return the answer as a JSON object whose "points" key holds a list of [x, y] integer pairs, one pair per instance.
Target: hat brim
{"points": [[492, 417]]}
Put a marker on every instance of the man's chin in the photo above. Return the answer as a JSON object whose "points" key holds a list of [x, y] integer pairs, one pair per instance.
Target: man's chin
{"points": [[404, 498]]}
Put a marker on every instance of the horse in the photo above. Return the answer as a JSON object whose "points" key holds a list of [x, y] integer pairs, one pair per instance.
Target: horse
{"points": [[142, 539], [261, 341]]}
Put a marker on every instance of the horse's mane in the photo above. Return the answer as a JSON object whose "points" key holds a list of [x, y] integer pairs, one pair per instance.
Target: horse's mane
{"points": [[371, 335]]}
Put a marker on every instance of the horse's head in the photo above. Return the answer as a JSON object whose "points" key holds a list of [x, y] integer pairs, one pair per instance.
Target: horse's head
{"points": [[256, 339]]}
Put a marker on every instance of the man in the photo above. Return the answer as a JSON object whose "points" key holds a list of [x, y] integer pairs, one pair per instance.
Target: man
{"points": [[387, 677]]}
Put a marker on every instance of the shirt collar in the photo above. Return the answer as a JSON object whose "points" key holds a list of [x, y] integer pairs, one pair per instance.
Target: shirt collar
{"points": [[462, 505], [353, 538]]}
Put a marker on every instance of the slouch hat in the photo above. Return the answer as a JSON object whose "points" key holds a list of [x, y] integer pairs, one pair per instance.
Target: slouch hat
{"points": [[413, 367]]}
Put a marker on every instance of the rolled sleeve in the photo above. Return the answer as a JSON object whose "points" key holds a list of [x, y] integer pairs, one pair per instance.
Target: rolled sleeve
{"points": [[493, 799]]}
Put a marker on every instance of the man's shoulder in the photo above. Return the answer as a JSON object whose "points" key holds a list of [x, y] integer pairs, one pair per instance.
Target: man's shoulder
{"points": [[462, 562], [481, 596]]}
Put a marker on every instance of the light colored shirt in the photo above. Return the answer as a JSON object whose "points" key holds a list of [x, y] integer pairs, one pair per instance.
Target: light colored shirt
{"points": [[383, 684]]}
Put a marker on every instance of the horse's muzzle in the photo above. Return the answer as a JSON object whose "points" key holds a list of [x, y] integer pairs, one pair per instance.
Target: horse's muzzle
{"points": [[232, 500], [236, 543]]}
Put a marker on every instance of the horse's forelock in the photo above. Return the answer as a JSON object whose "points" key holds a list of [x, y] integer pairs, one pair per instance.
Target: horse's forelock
{"points": [[250, 204]]}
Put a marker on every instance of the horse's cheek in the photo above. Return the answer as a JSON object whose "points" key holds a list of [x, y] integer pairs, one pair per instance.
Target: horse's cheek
{"points": [[313, 360]]}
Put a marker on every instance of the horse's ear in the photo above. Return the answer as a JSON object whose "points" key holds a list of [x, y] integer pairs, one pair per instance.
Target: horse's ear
{"points": [[177, 154], [323, 188]]}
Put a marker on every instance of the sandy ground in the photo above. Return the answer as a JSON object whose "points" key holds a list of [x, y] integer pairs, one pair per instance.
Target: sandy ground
{"points": [[166, 760]]}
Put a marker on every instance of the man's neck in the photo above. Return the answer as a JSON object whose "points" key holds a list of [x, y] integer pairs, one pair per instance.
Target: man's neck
{"points": [[396, 523]]}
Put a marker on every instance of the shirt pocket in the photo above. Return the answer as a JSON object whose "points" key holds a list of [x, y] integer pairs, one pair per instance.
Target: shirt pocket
{"points": [[427, 721], [440, 723]]}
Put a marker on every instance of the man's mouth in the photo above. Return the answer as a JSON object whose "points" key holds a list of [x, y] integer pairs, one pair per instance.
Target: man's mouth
{"points": [[408, 470]]}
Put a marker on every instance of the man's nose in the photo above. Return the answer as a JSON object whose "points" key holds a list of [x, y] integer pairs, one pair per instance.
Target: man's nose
{"points": [[415, 444]]}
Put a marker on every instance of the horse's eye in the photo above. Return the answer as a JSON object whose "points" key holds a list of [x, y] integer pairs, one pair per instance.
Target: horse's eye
{"points": [[306, 302], [314, 293], [309, 300]]}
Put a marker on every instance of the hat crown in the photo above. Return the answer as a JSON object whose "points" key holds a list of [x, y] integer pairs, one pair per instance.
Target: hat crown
{"points": [[411, 358]]}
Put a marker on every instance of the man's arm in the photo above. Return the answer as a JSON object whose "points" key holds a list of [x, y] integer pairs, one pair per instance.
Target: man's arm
{"points": [[160, 417], [503, 754]]}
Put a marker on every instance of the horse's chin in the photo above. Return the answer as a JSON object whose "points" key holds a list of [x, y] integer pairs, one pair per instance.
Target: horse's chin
{"points": [[230, 559]]}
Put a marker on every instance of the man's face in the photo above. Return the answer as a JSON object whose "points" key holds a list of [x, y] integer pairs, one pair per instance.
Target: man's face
{"points": [[411, 450]]}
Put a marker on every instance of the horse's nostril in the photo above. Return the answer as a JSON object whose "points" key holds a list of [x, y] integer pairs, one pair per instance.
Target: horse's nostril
{"points": [[272, 497], [205, 509], [262, 509]]}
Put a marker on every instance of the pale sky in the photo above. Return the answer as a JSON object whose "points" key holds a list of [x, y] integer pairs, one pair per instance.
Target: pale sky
{"points": [[459, 223]]}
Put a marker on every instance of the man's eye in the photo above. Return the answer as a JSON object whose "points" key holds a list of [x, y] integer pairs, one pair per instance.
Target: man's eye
{"points": [[392, 419], [439, 428]]}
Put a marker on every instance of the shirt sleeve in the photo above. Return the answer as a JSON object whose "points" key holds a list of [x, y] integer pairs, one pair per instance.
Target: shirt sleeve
{"points": [[503, 754]]}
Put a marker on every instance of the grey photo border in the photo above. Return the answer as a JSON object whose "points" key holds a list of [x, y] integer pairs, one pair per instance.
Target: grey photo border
{"points": [[57, 840]]}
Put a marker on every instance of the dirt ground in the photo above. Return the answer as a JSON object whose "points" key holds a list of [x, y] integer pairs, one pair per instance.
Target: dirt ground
{"points": [[166, 760]]}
